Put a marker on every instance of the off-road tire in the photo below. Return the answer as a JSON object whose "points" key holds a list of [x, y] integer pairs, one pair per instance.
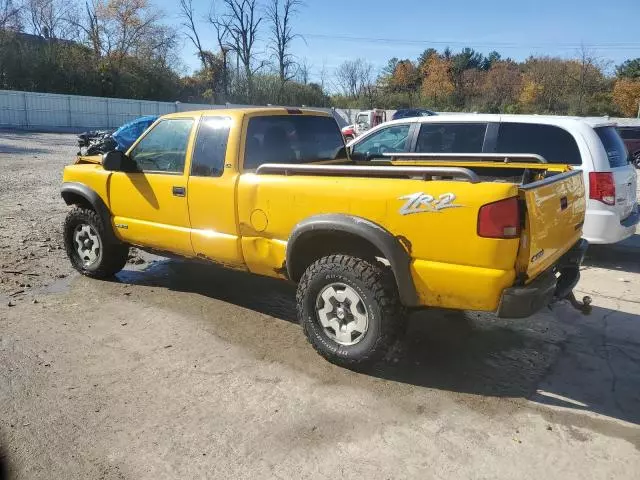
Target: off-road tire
{"points": [[113, 256], [377, 289]]}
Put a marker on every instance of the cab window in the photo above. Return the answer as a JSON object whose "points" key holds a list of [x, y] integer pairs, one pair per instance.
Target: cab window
{"points": [[387, 140], [210, 148], [164, 148], [292, 139], [451, 137]]}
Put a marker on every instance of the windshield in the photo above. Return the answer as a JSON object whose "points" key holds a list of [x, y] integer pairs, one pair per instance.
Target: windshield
{"points": [[614, 146]]}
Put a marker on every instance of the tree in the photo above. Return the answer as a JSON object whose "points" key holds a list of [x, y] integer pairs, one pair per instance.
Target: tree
{"points": [[502, 86], [629, 69], [490, 60], [437, 84], [303, 72], [626, 95], [406, 76], [425, 56], [243, 21], [279, 14], [52, 18], [10, 12], [353, 76]]}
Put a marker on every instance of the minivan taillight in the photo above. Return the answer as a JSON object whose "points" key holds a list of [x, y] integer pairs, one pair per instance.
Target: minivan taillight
{"points": [[602, 187], [500, 219]]}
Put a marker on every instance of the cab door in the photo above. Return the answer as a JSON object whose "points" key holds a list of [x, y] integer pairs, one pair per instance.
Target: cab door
{"points": [[211, 191], [149, 205]]}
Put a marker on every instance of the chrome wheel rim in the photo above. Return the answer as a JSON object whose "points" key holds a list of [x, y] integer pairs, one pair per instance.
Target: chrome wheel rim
{"points": [[87, 243], [342, 314]]}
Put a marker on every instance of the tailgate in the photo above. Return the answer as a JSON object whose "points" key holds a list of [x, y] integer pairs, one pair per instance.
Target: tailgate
{"points": [[555, 210]]}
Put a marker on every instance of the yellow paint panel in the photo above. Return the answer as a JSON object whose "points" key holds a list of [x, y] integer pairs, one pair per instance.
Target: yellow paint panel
{"points": [[459, 286], [265, 256], [552, 226]]}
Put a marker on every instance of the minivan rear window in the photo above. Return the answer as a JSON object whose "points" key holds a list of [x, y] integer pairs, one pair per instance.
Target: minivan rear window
{"points": [[614, 146], [553, 143], [630, 133]]}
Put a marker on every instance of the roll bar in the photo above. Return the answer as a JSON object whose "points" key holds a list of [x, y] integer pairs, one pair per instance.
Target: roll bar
{"points": [[484, 157], [364, 170]]}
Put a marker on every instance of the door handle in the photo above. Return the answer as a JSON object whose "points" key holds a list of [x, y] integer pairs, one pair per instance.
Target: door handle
{"points": [[179, 191]]}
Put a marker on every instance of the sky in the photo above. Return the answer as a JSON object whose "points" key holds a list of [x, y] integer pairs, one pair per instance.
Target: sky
{"points": [[337, 30]]}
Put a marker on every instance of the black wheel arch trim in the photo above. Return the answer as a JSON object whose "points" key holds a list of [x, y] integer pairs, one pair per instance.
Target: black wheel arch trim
{"points": [[382, 239], [70, 190]]}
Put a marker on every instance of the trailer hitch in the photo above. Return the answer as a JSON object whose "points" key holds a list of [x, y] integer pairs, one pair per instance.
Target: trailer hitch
{"points": [[584, 306]]}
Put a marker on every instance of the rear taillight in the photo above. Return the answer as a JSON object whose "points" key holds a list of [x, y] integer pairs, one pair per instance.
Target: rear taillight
{"points": [[602, 187], [500, 219]]}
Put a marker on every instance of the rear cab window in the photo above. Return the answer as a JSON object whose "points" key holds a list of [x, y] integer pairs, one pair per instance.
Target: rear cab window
{"points": [[553, 143], [292, 139], [451, 138], [614, 146]]}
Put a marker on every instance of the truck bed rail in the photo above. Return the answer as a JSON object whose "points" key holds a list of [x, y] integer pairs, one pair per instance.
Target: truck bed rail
{"points": [[366, 170], [461, 157]]}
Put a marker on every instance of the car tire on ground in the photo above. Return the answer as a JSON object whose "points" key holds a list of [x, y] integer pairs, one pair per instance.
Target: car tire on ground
{"points": [[87, 248], [350, 310]]}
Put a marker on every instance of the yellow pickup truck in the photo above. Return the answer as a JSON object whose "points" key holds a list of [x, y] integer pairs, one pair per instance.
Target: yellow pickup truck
{"points": [[272, 191]]}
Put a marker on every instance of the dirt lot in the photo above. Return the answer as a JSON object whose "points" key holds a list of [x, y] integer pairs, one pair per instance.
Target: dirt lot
{"points": [[175, 370]]}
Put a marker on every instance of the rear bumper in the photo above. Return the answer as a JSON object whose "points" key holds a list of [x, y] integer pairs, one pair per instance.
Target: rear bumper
{"points": [[556, 283], [604, 227]]}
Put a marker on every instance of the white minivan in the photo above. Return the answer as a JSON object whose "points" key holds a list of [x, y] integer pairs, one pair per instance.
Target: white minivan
{"points": [[593, 145]]}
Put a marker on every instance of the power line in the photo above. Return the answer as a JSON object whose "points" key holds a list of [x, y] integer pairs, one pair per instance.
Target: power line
{"points": [[603, 46]]}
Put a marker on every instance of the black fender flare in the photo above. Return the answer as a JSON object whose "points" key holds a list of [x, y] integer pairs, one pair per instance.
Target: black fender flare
{"points": [[72, 190], [392, 249]]}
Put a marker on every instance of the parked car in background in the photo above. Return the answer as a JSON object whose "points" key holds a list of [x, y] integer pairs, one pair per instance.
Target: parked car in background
{"points": [[412, 112], [365, 120], [97, 142], [592, 145], [631, 137]]}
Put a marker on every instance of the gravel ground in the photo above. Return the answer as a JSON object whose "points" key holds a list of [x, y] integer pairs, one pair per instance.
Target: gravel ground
{"points": [[179, 370]]}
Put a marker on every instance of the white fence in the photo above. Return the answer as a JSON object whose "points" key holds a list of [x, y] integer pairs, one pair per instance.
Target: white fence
{"points": [[51, 111], [32, 110]]}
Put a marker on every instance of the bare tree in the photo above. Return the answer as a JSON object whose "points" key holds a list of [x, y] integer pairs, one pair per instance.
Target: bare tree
{"points": [[243, 21], [187, 14], [588, 76], [303, 72], [10, 12], [52, 18], [221, 24], [279, 14], [355, 77]]}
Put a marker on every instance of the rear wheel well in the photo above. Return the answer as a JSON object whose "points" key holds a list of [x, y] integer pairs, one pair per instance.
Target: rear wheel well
{"points": [[314, 245]]}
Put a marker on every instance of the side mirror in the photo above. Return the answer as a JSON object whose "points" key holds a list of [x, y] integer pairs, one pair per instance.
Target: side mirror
{"points": [[116, 161]]}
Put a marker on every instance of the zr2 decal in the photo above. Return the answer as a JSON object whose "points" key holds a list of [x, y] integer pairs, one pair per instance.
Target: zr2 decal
{"points": [[423, 202]]}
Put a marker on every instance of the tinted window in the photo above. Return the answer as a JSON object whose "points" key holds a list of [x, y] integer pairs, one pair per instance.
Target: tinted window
{"points": [[388, 140], [614, 146], [164, 148], [555, 144], [292, 139], [451, 137], [211, 147], [630, 133]]}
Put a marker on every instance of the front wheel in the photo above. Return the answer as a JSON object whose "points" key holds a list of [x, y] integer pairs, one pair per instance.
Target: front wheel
{"points": [[349, 310], [636, 159], [89, 253]]}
